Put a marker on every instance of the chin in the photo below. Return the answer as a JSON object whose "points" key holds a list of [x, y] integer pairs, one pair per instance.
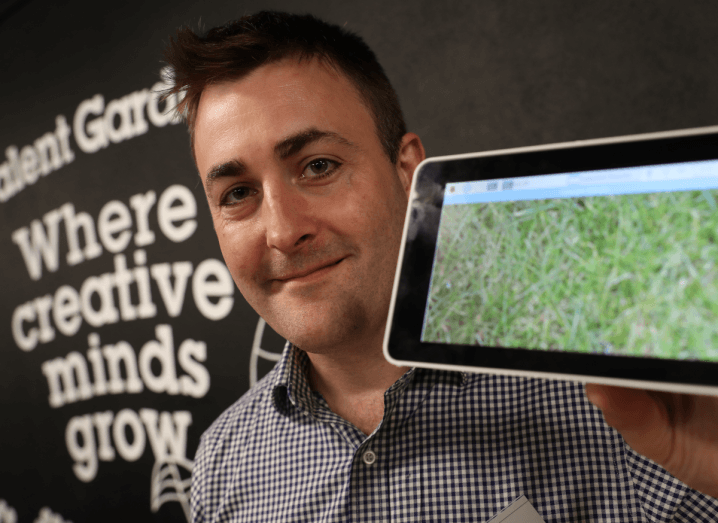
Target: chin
{"points": [[323, 333], [319, 339]]}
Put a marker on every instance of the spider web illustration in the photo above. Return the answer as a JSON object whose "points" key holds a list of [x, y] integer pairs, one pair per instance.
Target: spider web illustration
{"points": [[167, 483], [258, 352]]}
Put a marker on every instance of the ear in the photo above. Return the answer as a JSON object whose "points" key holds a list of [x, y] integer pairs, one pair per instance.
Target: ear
{"points": [[411, 154]]}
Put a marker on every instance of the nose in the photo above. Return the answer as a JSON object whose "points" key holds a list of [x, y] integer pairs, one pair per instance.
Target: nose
{"points": [[287, 218]]}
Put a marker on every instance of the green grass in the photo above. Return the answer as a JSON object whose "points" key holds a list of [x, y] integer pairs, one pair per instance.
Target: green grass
{"points": [[630, 274]]}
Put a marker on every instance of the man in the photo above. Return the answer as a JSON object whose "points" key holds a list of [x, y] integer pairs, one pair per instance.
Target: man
{"points": [[303, 153]]}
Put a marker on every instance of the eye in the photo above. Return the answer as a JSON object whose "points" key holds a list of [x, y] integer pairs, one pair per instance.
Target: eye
{"points": [[237, 195], [319, 168]]}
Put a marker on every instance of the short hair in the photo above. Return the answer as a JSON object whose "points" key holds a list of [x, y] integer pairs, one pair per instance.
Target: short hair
{"points": [[239, 47]]}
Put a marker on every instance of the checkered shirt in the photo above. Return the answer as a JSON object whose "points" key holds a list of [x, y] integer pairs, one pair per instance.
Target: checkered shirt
{"points": [[451, 447]]}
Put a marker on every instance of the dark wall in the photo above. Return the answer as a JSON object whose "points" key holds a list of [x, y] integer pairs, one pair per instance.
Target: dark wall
{"points": [[471, 76]]}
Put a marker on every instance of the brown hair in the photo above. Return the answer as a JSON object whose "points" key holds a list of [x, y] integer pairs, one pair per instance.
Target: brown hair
{"points": [[237, 48]]}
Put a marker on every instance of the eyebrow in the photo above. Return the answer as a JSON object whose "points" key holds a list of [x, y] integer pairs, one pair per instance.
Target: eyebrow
{"points": [[295, 143], [233, 168], [284, 149]]}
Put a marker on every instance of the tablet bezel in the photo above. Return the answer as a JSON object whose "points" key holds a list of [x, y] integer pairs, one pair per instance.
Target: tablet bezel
{"points": [[402, 339]]}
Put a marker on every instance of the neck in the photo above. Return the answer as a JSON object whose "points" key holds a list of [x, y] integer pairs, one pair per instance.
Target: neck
{"points": [[353, 383]]}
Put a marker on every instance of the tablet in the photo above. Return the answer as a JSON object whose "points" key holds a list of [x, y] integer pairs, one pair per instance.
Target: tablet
{"points": [[594, 261]]}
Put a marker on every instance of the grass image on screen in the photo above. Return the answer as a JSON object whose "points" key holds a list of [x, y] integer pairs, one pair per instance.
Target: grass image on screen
{"points": [[631, 274]]}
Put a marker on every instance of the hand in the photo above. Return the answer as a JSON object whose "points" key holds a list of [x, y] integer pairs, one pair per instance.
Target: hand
{"points": [[677, 431]]}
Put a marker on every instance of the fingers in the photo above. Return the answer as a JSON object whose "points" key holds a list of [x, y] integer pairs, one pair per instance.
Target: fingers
{"points": [[623, 408], [677, 431], [641, 418]]}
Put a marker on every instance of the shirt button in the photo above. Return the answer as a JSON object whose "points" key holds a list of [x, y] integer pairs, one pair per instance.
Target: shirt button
{"points": [[368, 457]]}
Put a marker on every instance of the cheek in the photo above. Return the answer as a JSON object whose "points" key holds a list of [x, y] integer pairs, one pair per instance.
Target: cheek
{"points": [[383, 210], [239, 255], [378, 202], [361, 220]]}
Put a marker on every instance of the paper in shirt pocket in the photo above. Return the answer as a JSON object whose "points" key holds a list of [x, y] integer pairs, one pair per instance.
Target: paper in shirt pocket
{"points": [[520, 511]]}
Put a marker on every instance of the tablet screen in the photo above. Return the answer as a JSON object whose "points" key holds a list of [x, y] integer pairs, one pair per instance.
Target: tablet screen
{"points": [[590, 261], [621, 261]]}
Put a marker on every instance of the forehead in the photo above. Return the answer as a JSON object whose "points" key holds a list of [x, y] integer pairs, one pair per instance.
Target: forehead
{"points": [[272, 102]]}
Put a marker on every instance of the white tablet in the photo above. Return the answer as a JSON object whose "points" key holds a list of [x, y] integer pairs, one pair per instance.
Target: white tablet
{"points": [[594, 261]]}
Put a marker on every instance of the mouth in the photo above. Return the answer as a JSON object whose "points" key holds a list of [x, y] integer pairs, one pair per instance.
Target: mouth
{"points": [[310, 274]]}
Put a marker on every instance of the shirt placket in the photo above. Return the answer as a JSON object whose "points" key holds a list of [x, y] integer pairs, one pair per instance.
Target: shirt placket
{"points": [[369, 486], [379, 478], [369, 491]]}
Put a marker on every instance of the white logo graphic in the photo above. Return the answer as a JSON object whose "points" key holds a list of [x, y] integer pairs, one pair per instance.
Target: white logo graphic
{"points": [[259, 352], [7, 513], [168, 483], [48, 516]]}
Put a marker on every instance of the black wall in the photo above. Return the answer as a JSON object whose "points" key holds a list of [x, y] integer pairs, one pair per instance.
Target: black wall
{"points": [[471, 76]]}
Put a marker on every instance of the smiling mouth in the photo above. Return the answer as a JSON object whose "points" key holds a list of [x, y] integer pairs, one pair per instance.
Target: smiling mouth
{"points": [[311, 274]]}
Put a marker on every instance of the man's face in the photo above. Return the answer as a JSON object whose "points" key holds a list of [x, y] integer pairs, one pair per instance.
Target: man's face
{"points": [[306, 205]]}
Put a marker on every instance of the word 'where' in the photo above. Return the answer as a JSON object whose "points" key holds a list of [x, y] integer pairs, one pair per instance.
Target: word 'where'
{"points": [[176, 211]]}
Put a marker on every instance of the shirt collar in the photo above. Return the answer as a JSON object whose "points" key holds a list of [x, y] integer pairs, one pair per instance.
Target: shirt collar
{"points": [[291, 387]]}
